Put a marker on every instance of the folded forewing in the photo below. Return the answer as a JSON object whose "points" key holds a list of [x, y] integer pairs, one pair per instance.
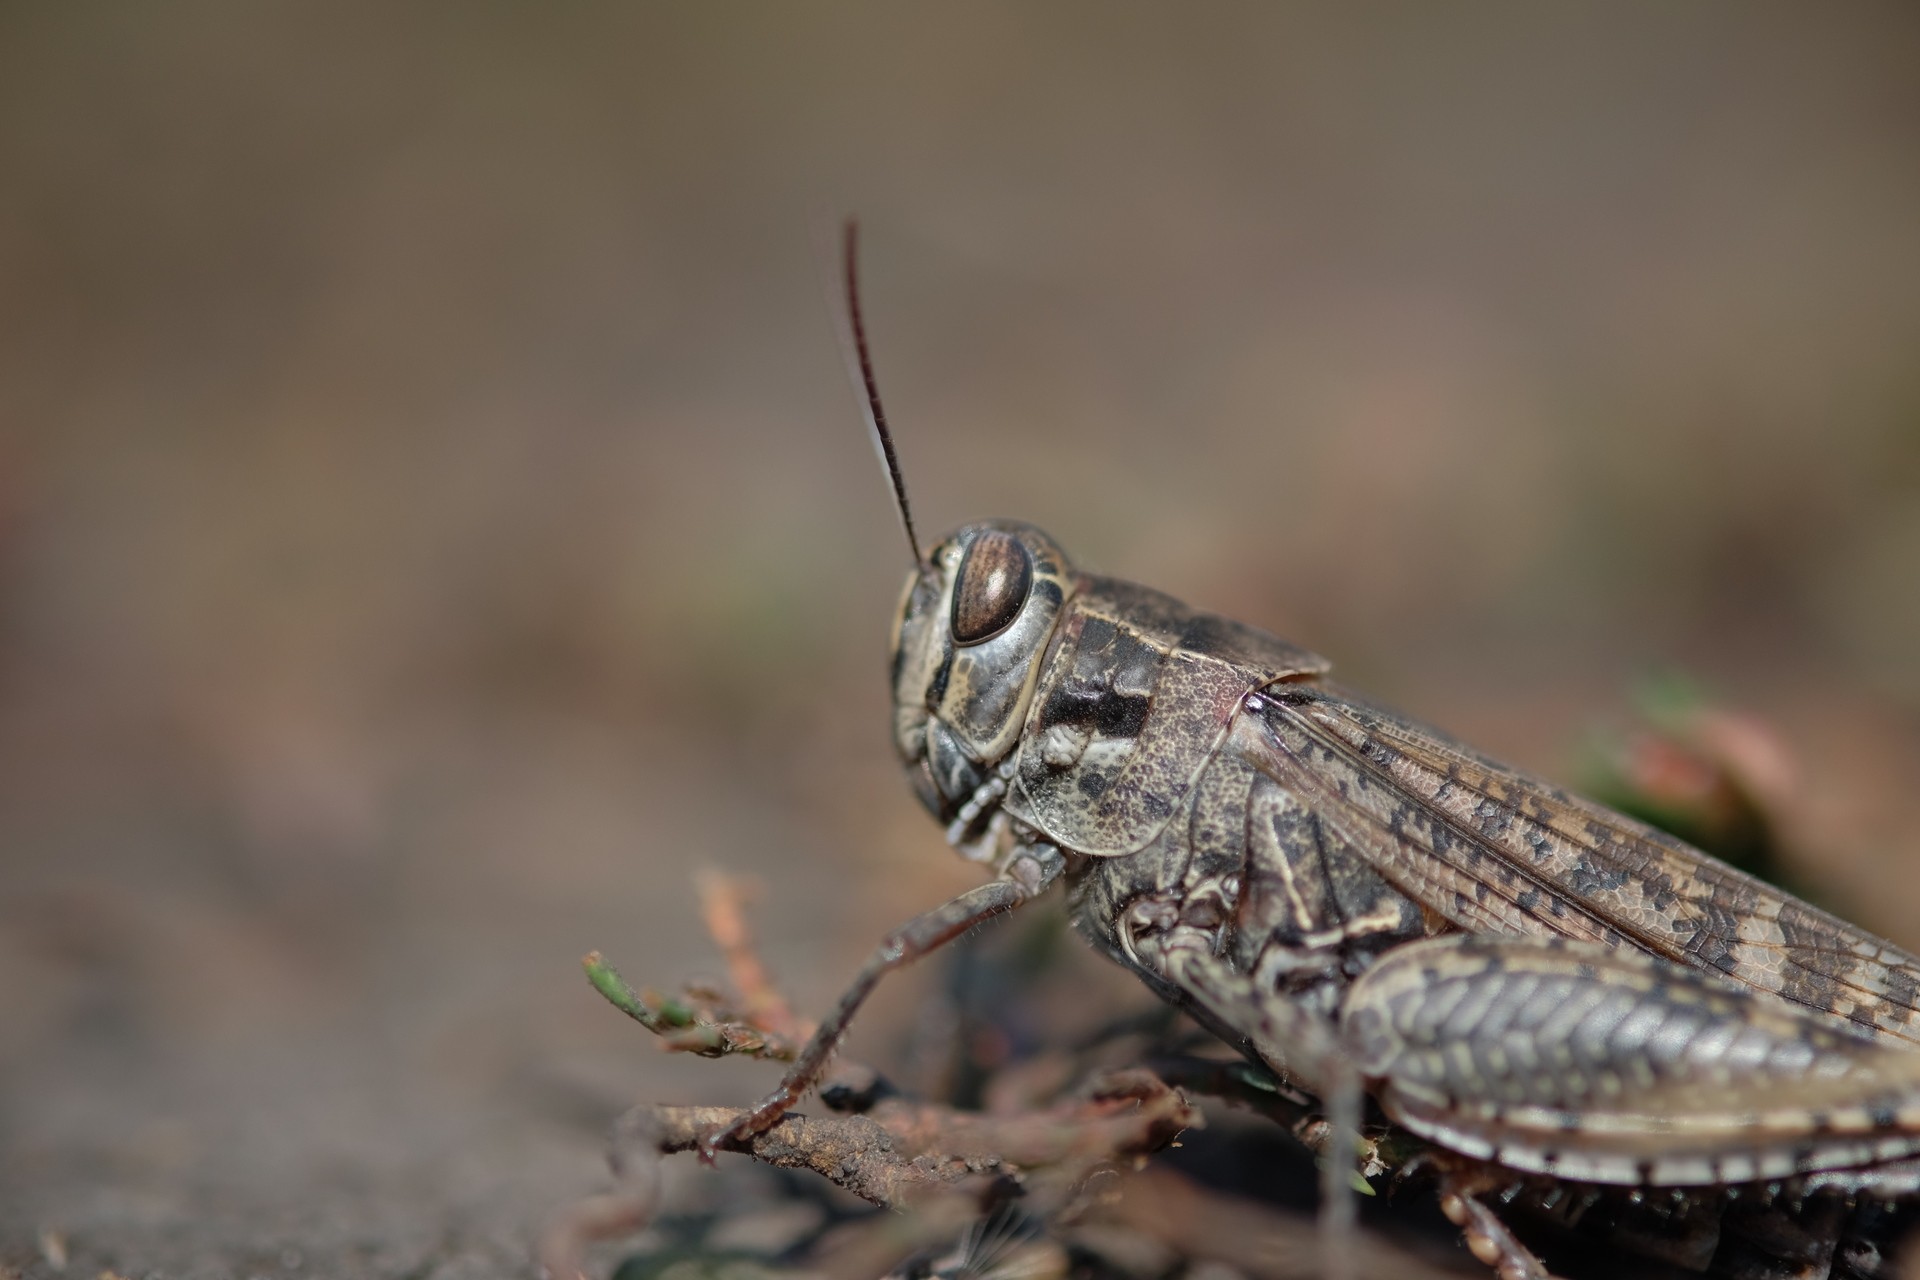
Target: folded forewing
{"points": [[1496, 851]]}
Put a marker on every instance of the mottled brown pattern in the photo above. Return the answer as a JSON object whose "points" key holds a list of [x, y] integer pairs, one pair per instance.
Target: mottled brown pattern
{"points": [[1417, 849], [1147, 713], [1498, 851], [1517, 974], [1308, 887]]}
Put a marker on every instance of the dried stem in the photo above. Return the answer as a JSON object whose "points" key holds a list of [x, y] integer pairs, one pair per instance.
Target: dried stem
{"points": [[934, 1159], [894, 1156], [754, 1019], [722, 902], [699, 1022]]}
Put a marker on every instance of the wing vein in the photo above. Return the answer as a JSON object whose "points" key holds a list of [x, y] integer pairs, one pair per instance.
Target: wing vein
{"points": [[1496, 850]]}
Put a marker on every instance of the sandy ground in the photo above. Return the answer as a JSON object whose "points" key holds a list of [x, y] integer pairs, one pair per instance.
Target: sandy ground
{"points": [[433, 522]]}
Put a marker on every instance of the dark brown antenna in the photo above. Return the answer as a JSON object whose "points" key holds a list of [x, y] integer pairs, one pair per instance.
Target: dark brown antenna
{"points": [[876, 416]]}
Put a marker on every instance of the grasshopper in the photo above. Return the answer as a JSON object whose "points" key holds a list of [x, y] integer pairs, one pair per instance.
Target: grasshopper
{"points": [[1529, 981]]}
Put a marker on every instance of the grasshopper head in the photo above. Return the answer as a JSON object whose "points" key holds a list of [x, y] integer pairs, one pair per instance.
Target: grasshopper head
{"points": [[972, 632], [973, 627]]}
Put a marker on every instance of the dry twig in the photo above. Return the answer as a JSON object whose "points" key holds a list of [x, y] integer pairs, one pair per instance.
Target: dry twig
{"points": [[699, 1021], [894, 1156], [722, 901]]}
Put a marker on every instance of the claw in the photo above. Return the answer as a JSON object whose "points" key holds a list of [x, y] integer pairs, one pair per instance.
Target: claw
{"points": [[709, 1145], [714, 1141]]}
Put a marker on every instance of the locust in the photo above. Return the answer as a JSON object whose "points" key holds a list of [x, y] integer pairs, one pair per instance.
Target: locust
{"points": [[1534, 984]]}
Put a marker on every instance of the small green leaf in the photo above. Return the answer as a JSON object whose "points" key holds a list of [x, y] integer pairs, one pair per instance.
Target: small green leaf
{"points": [[614, 988], [675, 1014]]}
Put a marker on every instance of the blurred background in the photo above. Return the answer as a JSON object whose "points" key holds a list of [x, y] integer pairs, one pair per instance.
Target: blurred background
{"points": [[434, 521]]}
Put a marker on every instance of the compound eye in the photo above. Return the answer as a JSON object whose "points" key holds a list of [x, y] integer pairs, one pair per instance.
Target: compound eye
{"points": [[994, 580]]}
